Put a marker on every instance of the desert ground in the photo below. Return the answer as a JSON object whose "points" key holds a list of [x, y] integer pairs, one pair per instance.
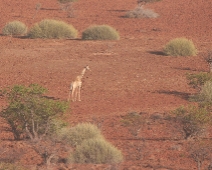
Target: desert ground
{"points": [[127, 75]]}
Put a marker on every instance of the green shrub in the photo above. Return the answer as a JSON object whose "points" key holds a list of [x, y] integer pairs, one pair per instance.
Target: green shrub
{"points": [[96, 151], [14, 28], [180, 47], [100, 32], [76, 135], [52, 29], [140, 12]]}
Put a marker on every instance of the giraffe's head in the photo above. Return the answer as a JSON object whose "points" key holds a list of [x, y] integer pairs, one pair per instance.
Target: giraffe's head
{"points": [[87, 67]]}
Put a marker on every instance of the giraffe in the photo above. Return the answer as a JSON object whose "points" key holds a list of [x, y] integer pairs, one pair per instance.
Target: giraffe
{"points": [[76, 86]]}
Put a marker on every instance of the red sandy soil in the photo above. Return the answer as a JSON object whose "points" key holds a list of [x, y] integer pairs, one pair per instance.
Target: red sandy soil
{"points": [[126, 75]]}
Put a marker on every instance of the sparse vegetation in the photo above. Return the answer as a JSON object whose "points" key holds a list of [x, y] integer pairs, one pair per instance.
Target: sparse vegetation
{"points": [[206, 93], [52, 29], [193, 119], [96, 151], [10, 166], [197, 80], [67, 5], [100, 32], [140, 12], [200, 151], [140, 2], [14, 28], [133, 121], [180, 47], [66, 1]]}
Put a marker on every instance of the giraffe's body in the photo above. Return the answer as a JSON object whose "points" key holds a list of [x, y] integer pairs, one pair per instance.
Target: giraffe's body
{"points": [[76, 86]]}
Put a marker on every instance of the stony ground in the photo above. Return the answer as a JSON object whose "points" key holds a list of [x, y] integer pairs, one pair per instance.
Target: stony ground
{"points": [[129, 75]]}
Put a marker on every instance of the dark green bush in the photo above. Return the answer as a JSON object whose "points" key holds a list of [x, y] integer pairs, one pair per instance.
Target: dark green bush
{"points": [[180, 47], [96, 151], [52, 29], [100, 32], [14, 28]]}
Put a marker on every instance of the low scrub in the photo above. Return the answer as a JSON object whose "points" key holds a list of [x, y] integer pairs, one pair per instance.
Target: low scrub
{"points": [[100, 32], [76, 135], [66, 1], [97, 151], [199, 79], [140, 12], [193, 120], [10, 166], [205, 95], [180, 47], [14, 28], [52, 29]]}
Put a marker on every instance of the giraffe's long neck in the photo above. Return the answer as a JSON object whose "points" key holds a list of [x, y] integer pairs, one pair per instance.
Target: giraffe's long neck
{"points": [[83, 72]]}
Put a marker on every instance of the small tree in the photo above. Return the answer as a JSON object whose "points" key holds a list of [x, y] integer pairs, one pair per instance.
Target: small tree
{"points": [[193, 120], [29, 112]]}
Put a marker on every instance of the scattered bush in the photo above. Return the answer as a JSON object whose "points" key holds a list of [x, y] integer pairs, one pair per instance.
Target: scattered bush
{"points": [[101, 32], [193, 120], [67, 5], [140, 12], [199, 79], [96, 151], [66, 1], [76, 135], [146, 1], [14, 28], [205, 95], [180, 47], [52, 29]]}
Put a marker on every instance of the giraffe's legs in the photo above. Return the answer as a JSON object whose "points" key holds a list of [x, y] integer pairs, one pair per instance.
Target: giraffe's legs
{"points": [[79, 88], [73, 94], [69, 94]]}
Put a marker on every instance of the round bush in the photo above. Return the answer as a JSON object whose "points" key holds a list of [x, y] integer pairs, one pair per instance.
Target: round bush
{"points": [[101, 32], [96, 151], [14, 28], [180, 47], [52, 29], [76, 135]]}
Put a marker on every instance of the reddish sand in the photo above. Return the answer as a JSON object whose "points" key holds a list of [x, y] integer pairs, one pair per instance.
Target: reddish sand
{"points": [[127, 75]]}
